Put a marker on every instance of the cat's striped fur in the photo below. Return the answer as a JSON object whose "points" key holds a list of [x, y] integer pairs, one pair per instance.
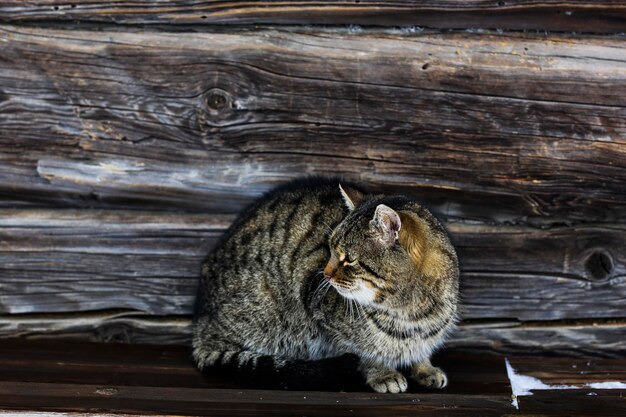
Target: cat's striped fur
{"points": [[314, 270]]}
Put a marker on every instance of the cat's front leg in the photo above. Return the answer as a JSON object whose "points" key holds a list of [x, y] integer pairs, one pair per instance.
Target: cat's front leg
{"points": [[429, 376], [382, 378]]}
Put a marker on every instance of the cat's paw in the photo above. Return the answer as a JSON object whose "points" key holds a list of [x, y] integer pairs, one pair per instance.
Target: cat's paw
{"points": [[393, 382], [430, 377]]}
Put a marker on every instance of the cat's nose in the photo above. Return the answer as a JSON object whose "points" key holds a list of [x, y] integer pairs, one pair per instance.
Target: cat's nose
{"points": [[328, 272]]}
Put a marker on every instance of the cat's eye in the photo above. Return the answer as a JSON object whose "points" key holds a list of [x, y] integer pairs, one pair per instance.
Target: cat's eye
{"points": [[348, 262]]}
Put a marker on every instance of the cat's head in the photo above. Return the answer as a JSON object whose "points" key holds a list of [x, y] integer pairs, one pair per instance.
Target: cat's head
{"points": [[368, 264]]}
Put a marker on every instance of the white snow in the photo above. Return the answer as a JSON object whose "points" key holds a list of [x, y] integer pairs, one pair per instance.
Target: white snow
{"points": [[607, 385]]}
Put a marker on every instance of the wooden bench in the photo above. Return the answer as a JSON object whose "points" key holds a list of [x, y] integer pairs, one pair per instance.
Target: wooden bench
{"points": [[150, 380], [131, 135]]}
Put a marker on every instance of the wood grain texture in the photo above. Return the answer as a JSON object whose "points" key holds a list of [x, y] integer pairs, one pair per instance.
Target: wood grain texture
{"points": [[585, 338], [495, 128], [87, 260], [73, 260], [574, 15], [104, 326]]}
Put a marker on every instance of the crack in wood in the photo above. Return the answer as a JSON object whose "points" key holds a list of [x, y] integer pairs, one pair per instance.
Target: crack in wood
{"points": [[584, 16]]}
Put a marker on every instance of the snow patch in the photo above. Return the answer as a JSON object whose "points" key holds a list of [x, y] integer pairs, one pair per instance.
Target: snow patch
{"points": [[607, 385], [524, 384]]}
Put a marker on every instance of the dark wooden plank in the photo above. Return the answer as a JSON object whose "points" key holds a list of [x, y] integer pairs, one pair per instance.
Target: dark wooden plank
{"points": [[171, 366], [227, 402], [577, 15], [87, 378], [589, 402], [113, 379], [607, 404], [86, 260], [85, 413], [113, 364], [162, 380], [498, 128]]}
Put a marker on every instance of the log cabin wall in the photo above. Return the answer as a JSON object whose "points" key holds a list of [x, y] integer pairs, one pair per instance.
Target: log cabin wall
{"points": [[131, 134]]}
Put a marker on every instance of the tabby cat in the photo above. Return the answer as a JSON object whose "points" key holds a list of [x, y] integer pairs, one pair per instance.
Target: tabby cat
{"points": [[388, 291]]}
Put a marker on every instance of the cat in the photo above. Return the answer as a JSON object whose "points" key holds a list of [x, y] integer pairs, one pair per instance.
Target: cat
{"points": [[316, 269]]}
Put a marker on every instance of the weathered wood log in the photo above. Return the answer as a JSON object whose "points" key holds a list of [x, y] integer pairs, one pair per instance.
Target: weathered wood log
{"points": [[583, 338], [504, 128], [586, 338], [73, 260], [578, 15], [106, 326]]}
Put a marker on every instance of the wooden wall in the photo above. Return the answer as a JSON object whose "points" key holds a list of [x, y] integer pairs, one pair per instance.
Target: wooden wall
{"points": [[132, 133]]}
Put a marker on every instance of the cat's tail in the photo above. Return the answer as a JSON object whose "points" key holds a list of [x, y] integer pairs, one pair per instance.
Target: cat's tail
{"points": [[266, 371]]}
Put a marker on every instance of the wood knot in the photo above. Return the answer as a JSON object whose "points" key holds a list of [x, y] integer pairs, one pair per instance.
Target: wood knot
{"points": [[599, 265], [217, 109], [217, 100]]}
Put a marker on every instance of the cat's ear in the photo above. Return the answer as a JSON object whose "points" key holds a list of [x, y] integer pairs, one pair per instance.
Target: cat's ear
{"points": [[386, 223], [351, 196]]}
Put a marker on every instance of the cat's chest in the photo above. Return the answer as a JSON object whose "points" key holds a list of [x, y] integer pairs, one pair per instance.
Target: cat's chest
{"points": [[385, 339], [396, 342]]}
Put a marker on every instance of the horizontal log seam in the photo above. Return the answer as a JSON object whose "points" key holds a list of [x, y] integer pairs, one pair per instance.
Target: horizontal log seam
{"points": [[183, 319], [617, 279], [132, 221]]}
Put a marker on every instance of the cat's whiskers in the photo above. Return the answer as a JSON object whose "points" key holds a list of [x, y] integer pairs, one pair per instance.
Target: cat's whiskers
{"points": [[353, 310], [325, 286], [328, 287], [357, 311], [350, 315], [329, 230], [320, 286], [317, 290], [347, 310], [360, 311]]}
